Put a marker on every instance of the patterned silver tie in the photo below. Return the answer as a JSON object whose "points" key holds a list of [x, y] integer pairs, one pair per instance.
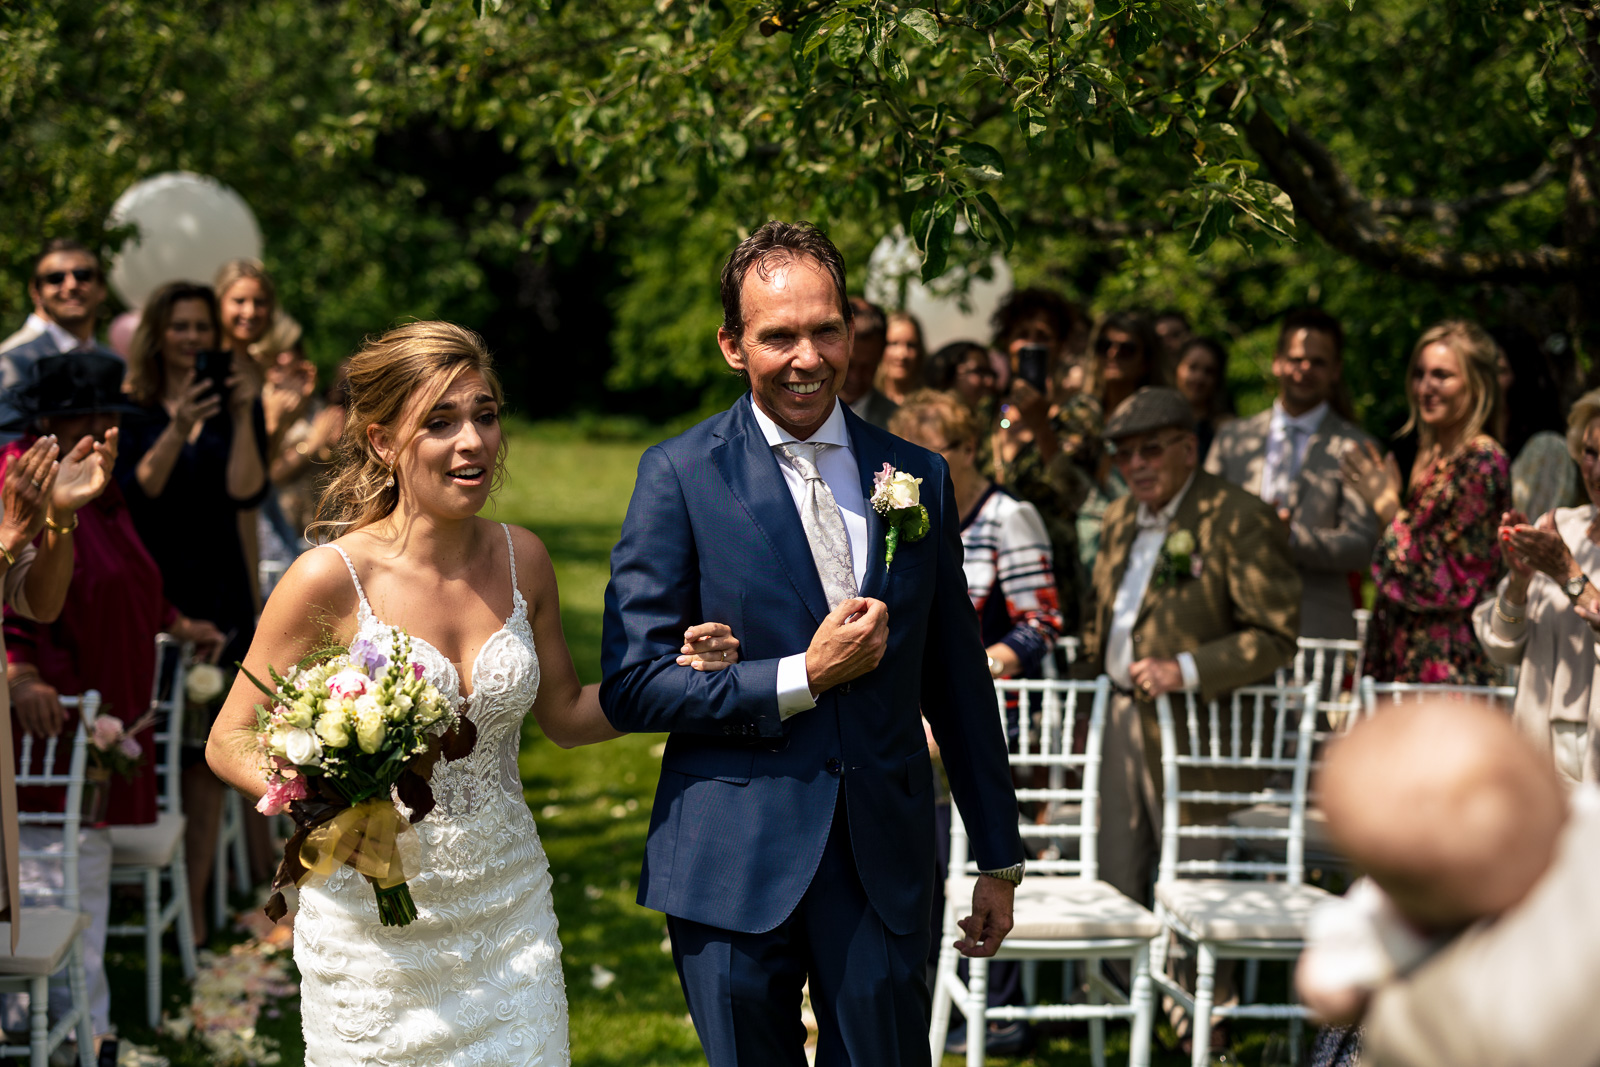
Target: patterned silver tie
{"points": [[819, 514]]}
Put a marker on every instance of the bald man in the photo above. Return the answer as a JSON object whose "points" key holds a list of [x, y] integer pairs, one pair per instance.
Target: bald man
{"points": [[1463, 827]]}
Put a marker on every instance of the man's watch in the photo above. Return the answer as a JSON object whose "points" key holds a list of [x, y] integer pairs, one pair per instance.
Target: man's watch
{"points": [[1574, 586], [1012, 874]]}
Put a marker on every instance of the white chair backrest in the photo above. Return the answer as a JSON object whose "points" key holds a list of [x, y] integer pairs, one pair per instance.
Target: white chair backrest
{"points": [[1060, 727], [268, 571], [168, 701], [46, 771], [1255, 728], [1376, 694]]}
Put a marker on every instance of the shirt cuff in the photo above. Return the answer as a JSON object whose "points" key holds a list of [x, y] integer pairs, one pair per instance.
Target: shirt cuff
{"points": [[794, 686], [1191, 673]]}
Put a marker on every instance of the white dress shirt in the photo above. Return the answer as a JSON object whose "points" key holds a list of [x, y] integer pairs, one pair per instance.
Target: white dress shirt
{"points": [[1130, 594], [837, 465], [1275, 484], [65, 341]]}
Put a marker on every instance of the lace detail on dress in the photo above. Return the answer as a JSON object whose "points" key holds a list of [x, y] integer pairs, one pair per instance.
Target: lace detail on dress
{"points": [[476, 979]]}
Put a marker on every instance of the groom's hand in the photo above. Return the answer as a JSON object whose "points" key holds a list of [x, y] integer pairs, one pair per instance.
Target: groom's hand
{"points": [[990, 920], [849, 643]]}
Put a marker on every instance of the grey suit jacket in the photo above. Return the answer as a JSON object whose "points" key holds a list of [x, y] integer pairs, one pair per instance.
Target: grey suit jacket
{"points": [[1332, 530], [875, 408], [1517, 991]]}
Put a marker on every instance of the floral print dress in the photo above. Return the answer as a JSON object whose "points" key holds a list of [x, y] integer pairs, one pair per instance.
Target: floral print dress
{"points": [[1437, 559]]}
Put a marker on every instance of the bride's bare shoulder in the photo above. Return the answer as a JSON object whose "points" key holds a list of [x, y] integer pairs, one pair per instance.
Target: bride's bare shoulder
{"points": [[535, 574], [318, 578]]}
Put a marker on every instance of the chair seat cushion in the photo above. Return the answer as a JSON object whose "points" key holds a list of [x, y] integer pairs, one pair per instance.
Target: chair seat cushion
{"points": [[47, 933], [1069, 908], [150, 845], [1221, 910]]}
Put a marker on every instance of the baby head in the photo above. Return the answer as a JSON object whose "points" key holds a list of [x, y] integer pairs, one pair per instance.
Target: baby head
{"points": [[1446, 806]]}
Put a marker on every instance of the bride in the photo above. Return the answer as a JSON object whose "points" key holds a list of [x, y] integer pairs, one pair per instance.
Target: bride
{"points": [[477, 977]]}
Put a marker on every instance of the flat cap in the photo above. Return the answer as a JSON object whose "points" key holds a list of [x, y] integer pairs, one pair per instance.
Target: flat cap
{"points": [[1155, 407]]}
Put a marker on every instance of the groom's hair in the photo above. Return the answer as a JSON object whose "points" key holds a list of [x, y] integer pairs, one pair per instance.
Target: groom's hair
{"points": [[773, 245]]}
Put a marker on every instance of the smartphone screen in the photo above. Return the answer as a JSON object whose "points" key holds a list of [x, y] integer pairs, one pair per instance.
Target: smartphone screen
{"points": [[1033, 363]]}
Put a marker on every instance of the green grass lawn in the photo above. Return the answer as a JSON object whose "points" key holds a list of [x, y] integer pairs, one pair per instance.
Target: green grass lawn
{"points": [[593, 809]]}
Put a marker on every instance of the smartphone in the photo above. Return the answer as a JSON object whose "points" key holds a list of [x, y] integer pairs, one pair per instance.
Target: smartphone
{"points": [[1033, 365], [216, 366]]}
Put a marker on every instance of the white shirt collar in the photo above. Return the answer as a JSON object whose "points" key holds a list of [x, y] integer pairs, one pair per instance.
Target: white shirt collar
{"points": [[832, 432], [64, 340], [1164, 517], [1306, 424]]}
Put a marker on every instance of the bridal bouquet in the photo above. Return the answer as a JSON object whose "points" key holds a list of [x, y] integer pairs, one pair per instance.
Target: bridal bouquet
{"points": [[348, 732]]}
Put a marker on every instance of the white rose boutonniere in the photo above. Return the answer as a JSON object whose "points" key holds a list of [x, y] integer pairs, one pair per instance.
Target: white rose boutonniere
{"points": [[898, 498], [1178, 560]]}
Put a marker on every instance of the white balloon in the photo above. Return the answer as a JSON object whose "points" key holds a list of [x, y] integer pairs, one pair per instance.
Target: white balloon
{"points": [[188, 226], [954, 307]]}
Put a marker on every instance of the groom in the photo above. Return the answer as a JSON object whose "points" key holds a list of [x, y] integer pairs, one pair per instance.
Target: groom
{"points": [[793, 835]]}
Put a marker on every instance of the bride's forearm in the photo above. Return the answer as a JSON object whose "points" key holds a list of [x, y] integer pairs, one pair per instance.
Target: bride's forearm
{"points": [[235, 759], [580, 722]]}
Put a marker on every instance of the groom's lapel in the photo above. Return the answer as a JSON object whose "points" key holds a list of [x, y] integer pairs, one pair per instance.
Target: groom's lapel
{"points": [[751, 470], [870, 458]]}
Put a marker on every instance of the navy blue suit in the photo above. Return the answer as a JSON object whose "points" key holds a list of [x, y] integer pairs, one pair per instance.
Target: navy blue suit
{"points": [[749, 807]]}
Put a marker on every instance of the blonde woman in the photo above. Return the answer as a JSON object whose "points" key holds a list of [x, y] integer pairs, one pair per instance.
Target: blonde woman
{"points": [[900, 373], [1438, 555], [478, 974]]}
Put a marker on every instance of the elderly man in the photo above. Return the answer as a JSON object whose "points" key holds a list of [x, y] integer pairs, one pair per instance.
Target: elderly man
{"points": [[1289, 457], [859, 393], [1195, 591]]}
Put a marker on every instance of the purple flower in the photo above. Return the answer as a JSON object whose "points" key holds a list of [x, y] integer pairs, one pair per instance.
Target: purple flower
{"points": [[130, 748], [365, 654], [416, 670]]}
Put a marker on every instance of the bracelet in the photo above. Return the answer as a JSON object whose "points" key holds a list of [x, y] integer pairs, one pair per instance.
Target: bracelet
{"points": [[60, 529], [11, 561], [1511, 620]]}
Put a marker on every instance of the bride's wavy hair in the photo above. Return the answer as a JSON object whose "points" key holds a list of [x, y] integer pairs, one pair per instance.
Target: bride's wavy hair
{"points": [[401, 374]]}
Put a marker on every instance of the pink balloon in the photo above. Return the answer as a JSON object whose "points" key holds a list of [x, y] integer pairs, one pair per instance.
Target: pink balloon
{"points": [[120, 335]]}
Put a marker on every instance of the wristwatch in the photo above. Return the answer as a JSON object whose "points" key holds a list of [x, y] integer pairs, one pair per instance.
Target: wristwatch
{"points": [[1574, 586], [1012, 874]]}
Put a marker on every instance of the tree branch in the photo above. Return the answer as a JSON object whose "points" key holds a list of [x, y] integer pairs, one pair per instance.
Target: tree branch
{"points": [[1326, 199], [1449, 212]]}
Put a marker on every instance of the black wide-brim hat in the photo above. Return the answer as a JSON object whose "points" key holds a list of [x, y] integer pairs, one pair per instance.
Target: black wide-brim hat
{"points": [[68, 383]]}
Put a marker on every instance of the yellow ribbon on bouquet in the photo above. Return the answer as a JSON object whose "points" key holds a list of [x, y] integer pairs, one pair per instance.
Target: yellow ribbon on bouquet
{"points": [[373, 837]]}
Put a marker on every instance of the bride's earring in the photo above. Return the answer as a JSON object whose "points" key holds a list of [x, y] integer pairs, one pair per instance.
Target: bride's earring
{"points": [[388, 483]]}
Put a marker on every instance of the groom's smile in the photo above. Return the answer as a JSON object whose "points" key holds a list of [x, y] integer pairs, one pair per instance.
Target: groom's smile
{"points": [[795, 342]]}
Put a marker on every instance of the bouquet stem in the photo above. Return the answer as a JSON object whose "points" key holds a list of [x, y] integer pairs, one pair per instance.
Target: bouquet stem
{"points": [[395, 906]]}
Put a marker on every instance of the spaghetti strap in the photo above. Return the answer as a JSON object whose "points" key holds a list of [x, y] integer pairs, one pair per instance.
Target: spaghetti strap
{"points": [[351, 567], [511, 552]]}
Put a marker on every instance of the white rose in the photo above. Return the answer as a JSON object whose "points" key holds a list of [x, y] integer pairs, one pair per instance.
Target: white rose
{"points": [[903, 491], [204, 683], [277, 742], [302, 748], [369, 730], [334, 730]]}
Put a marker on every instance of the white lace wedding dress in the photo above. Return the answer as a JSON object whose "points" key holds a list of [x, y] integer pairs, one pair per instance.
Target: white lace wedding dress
{"points": [[476, 979]]}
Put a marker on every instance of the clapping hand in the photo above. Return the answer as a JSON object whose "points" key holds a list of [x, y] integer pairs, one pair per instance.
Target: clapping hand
{"points": [[1540, 547], [85, 473], [1375, 476], [709, 646], [30, 481]]}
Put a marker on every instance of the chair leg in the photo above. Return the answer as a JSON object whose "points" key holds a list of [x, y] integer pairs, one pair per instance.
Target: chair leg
{"points": [[241, 844], [1141, 997], [977, 1009], [1204, 992], [1097, 1027], [152, 946], [178, 874], [1296, 1026], [219, 874], [78, 980], [39, 1022], [943, 995]]}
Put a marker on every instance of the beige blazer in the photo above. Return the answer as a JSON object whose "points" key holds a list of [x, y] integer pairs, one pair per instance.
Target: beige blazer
{"points": [[1518, 991], [1238, 618], [10, 831], [1332, 530]]}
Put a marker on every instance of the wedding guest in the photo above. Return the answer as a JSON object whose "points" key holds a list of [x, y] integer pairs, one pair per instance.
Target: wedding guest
{"points": [[1289, 456], [1529, 427], [1194, 591], [1127, 358], [900, 374], [1011, 583], [1175, 334], [191, 460], [1201, 376], [1530, 623], [859, 392], [1039, 449], [104, 636], [1437, 556], [963, 368], [300, 465]]}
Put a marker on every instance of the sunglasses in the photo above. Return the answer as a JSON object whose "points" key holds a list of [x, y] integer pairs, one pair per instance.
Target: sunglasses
{"points": [[83, 275]]}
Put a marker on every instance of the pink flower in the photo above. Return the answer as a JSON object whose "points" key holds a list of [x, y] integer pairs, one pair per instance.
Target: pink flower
{"points": [[347, 683], [1435, 672], [276, 799], [107, 732], [416, 670], [881, 479], [1196, 566], [130, 748]]}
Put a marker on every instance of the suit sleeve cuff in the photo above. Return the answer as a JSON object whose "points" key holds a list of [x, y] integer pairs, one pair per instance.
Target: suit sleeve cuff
{"points": [[794, 686], [1191, 673]]}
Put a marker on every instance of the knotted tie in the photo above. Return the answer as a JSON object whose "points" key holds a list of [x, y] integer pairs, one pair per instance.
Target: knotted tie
{"points": [[819, 515], [1286, 471]]}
